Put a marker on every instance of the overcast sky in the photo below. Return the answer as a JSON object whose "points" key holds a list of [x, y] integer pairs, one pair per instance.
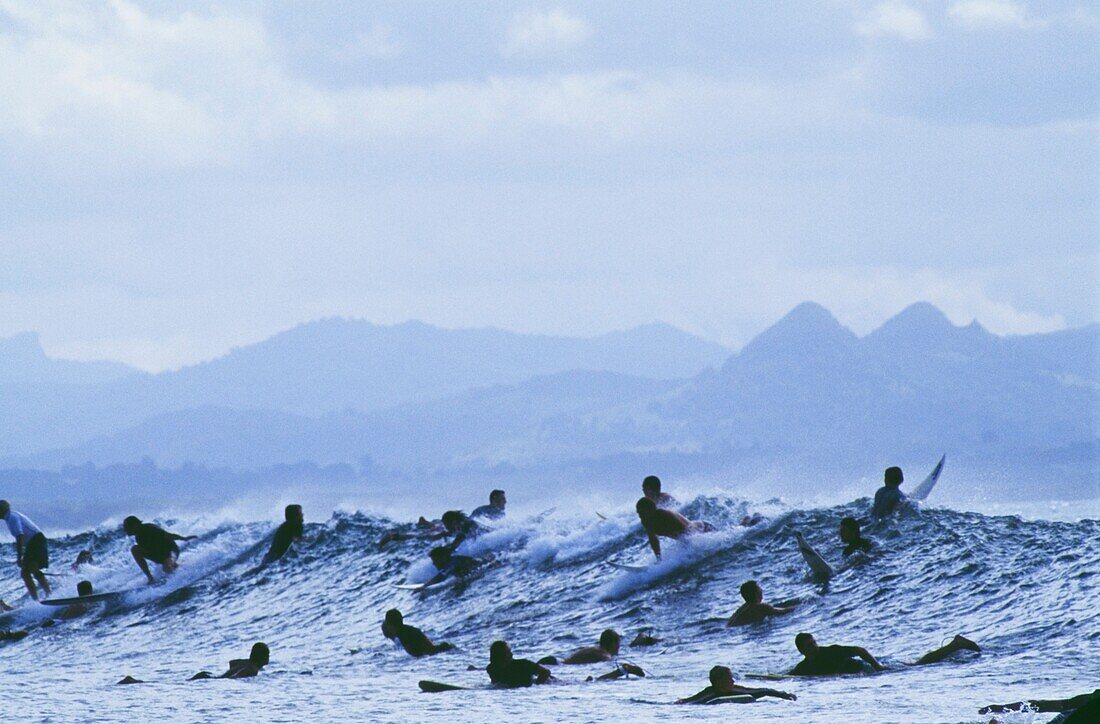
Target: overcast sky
{"points": [[178, 182]]}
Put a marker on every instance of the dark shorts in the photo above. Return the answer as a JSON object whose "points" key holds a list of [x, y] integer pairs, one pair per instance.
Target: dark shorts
{"points": [[161, 555], [36, 554]]}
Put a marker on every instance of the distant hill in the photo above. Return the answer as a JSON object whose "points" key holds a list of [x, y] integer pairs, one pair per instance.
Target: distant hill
{"points": [[324, 367], [806, 389], [23, 361]]}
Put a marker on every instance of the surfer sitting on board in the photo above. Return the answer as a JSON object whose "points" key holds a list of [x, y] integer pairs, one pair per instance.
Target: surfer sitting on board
{"points": [[411, 638], [31, 551], [494, 510], [153, 543], [889, 497], [289, 530], [853, 539], [651, 488], [242, 668], [754, 609], [835, 660], [722, 686], [511, 673], [666, 523]]}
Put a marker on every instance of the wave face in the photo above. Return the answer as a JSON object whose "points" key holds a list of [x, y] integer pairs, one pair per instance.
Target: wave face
{"points": [[1025, 590]]}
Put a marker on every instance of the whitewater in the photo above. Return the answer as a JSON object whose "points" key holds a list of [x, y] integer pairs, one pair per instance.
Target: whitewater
{"points": [[1024, 589]]}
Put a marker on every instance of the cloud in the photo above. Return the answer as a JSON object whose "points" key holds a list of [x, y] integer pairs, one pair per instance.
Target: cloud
{"points": [[895, 18], [379, 41], [983, 14], [532, 33]]}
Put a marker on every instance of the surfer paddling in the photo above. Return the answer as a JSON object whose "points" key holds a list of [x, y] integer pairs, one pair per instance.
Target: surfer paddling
{"points": [[755, 609], [289, 530], [494, 510], [852, 537], [153, 543], [32, 552], [836, 660], [508, 672], [238, 668], [412, 639], [722, 686], [889, 498], [1085, 706], [449, 563], [660, 523]]}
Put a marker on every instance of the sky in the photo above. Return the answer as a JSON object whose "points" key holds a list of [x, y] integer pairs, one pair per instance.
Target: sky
{"points": [[176, 180]]}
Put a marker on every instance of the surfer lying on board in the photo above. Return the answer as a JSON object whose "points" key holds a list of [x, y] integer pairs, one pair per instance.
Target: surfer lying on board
{"points": [[153, 543], [666, 523], [607, 650], [651, 488], [1075, 704], [289, 530], [889, 497], [852, 537], [424, 530], [450, 563], [458, 524], [754, 609], [511, 673], [411, 638], [722, 686], [835, 660], [238, 668], [494, 510]]}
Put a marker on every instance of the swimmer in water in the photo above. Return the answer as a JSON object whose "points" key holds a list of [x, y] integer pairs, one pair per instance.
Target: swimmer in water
{"points": [[289, 530], [853, 539], [722, 686], [660, 523], [607, 650], [836, 660], [153, 543], [508, 672], [754, 609], [242, 668], [651, 488], [494, 510], [411, 638]]}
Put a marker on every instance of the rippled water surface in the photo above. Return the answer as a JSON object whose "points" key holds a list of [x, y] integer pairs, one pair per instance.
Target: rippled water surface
{"points": [[1026, 590]]}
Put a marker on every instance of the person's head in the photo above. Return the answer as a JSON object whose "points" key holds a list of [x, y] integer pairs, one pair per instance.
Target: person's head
{"points": [[721, 677], [84, 588], [892, 477], [260, 654], [5, 508], [497, 499], [131, 525], [394, 617], [806, 644], [651, 486], [83, 557], [441, 556], [751, 592], [610, 641], [293, 513], [500, 653], [646, 508], [849, 530], [452, 519]]}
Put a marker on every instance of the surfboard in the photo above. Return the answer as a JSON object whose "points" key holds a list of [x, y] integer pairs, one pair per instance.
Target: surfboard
{"points": [[769, 677], [434, 687], [94, 598], [921, 491], [813, 559]]}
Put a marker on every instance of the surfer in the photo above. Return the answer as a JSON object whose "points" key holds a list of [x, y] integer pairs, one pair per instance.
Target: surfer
{"points": [[153, 543], [424, 529], [754, 609], [458, 524], [666, 523], [607, 650], [32, 553], [1083, 704], [289, 530], [835, 660], [75, 610], [651, 488], [449, 563], [853, 539], [411, 638], [241, 668], [83, 558], [889, 497], [722, 686], [494, 510], [508, 672]]}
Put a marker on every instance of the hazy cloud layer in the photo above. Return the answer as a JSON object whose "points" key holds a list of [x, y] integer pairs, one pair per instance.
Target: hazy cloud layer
{"points": [[191, 179]]}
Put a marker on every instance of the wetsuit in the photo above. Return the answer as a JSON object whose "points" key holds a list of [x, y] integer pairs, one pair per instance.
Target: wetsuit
{"points": [[517, 673], [887, 500], [860, 545], [156, 543], [490, 512], [285, 534], [830, 661]]}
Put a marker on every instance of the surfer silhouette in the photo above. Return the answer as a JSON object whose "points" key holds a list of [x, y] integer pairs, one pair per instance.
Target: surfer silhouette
{"points": [[289, 530], [660, 523], [153, 543], [651, 488], [723, 686], [32, 553], [412, 639], [494, 510], [508, 672], [889, 497], [754, 609], [836, 660]]}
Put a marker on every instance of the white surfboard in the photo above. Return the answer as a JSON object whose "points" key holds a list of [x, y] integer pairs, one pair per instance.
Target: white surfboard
{"points": [[94, 598], [817, 564], [921, 491]]}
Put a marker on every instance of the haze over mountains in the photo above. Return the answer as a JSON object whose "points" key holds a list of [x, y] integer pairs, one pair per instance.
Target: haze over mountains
{"points": [[410, 402]]}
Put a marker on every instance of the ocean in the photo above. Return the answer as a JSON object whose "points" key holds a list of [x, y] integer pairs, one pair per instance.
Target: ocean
{"points": [[1025, 587]]}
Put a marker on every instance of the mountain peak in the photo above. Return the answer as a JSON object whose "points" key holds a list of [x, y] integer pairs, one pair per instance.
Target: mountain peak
{"points": [[917, 318], [809, 327], [22, 347]]}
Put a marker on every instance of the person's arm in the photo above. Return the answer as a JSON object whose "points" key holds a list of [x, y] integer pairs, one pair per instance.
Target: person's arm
{"points": [[759, 693], [777, 610], [542, 674], [698, 697], [19, 550], [866, 656], [654, 543], [175, 536]]}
